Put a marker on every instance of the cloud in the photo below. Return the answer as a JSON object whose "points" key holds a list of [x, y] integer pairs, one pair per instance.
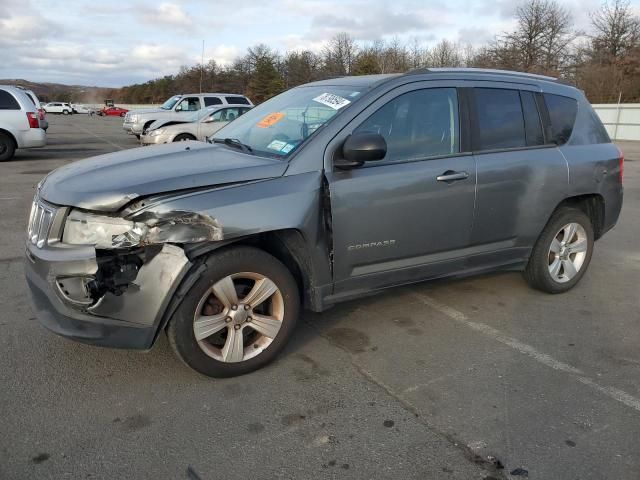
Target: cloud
{"points": [[167, 14]]}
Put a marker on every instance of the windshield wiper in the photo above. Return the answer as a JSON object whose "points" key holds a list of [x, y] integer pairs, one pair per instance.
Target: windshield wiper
{"points": [[234, 142]]}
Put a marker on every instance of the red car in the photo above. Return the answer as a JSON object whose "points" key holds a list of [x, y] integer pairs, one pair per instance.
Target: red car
{"points": [[113, 111]]}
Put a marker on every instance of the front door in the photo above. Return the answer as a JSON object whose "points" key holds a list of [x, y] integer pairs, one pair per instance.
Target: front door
{"points": [[409, 216]]}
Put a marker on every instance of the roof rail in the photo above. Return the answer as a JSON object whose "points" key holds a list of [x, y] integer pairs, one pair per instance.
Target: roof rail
{"points": [[482, 70]]}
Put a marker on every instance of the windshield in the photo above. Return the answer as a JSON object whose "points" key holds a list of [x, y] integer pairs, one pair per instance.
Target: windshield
{"points": [[168, 105], [278, 126]]}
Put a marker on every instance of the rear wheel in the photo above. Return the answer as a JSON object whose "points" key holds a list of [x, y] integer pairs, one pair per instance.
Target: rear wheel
{"points": [[65, 112], [562, 253], [183, 137], [122, 114], [7, 147], [238, 315]]}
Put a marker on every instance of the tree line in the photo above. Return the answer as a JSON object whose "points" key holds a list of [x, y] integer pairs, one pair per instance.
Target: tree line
{"points": [[603, 61]]}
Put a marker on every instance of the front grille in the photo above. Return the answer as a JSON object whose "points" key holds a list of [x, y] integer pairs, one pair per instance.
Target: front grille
{"points": [[40, 221]]}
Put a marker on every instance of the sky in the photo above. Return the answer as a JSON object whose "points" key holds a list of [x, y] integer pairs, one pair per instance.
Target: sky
{"points": [[115, 43]]}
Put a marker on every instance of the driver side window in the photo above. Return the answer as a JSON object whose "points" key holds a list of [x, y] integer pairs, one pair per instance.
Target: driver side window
{"points": [[417, 125], [190, 104]]}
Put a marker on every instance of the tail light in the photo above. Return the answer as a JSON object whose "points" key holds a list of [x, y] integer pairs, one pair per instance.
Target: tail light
{"points": [[41, 113], [33, 120], [620, 164]]}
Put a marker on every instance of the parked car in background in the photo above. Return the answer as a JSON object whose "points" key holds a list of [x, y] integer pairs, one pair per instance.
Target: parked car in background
{"points": [[19, 122], [79, 108], [58, 107], [112, 112], [177, 108], [200, 126], [44, 124], [324, 193]]}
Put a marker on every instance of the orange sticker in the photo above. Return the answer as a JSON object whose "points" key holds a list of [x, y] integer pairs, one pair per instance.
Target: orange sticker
{"points": [[270, 119]]}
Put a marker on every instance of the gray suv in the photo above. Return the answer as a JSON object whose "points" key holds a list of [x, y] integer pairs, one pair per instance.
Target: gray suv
{"points": [[327, 192]]}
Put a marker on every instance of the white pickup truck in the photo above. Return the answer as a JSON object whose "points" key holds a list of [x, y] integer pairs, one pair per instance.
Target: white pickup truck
{"points": [[176, 108]]}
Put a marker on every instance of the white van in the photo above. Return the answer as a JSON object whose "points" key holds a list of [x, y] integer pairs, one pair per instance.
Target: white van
{"points": [[19, 122]]}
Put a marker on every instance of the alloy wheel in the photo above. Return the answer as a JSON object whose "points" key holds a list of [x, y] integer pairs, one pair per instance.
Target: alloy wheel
{"points": [[238, 317], [567, 252]]}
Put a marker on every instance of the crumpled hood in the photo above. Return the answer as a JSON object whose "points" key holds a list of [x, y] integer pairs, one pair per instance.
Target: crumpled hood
{"points": [[108, 182]]}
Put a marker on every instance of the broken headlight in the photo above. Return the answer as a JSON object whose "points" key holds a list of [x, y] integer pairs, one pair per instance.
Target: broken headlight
{"points": [[83, 228]]}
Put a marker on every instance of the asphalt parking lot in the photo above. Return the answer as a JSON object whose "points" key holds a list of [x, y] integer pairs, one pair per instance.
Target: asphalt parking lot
{"points": [[480, 378]]}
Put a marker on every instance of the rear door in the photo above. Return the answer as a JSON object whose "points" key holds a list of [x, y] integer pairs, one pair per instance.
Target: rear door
{"points": [[521, 176], [409, 216]]}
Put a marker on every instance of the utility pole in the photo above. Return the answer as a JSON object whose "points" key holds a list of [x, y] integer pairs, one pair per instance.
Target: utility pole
{"points": [[201, 66]]}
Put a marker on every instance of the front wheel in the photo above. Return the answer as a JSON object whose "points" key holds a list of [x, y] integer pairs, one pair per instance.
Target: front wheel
{"points": [[562, 253], [238, 315], [183, 137]]}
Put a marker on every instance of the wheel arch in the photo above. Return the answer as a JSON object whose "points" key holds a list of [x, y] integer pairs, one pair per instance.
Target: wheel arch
{"points": [[593, 205], [287, 245], [10, 135]]}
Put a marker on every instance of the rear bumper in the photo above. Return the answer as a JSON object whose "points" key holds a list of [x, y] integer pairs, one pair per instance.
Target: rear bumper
{"points": [[130, 320], [32, 138]]}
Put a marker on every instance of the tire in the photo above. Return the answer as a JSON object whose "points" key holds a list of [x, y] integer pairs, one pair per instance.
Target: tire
{"points": [[7, 147], [207, 299], [183, 137], [122, 114], [137, 136], [65, 112], [548, 269]]}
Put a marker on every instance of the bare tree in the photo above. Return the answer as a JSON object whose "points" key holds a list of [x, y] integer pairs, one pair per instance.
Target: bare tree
{"points": [[340, 54], [445, 54], [617, 30]]}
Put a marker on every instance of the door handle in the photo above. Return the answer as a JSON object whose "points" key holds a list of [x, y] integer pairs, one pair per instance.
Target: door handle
{"points": [[451, 176]]}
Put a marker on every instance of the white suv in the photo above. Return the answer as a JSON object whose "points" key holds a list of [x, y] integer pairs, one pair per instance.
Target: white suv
{"points": [[58, 107], [177, 108], [19, 122]]}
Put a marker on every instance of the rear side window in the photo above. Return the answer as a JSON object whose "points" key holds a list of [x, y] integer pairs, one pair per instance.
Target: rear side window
{"points": [[31, 98], [208, 101], [532, 123], [237, 100], [7, 101], [500, 119], [562, 112]]}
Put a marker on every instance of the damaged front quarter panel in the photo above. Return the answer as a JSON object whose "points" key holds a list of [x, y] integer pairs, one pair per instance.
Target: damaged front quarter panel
{"points": [[145, 296]]}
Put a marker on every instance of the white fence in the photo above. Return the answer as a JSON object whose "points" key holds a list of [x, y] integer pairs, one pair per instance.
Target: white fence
{"points": [[622, 121]]}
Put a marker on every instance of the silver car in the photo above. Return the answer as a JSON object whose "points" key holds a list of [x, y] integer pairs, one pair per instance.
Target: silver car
{"points": [[177, 108], [200, 126]]}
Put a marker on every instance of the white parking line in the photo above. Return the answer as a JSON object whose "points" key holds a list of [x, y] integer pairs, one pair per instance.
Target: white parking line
{"points": [[99, 137], [614, 393]]}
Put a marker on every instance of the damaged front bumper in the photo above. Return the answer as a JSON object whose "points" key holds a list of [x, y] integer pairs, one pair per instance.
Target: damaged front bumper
{"points": [[109, 298]]}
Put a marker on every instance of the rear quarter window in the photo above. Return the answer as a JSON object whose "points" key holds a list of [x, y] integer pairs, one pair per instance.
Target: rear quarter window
{"points": [[8, 101], [237, 100], [562, 113], [208, 101]]}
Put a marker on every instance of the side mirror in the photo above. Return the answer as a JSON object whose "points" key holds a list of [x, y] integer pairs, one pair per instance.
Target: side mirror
{"points": [[360, 148]]}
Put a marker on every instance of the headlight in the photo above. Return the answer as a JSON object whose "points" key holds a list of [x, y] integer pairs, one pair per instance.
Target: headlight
{"points": [[89, 229], [154, 133], [133, 118]]}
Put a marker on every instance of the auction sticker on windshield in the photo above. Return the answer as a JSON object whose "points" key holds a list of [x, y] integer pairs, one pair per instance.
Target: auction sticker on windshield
{"points": [[334, 101], [270, 119]]}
